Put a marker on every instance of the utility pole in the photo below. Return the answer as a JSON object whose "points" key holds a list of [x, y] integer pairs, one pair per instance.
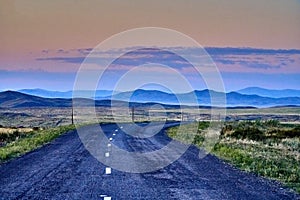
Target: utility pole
{"points": [[72, 116], [132, 113]]}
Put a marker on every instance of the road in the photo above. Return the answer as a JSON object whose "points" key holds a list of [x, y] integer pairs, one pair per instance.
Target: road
{"points": [[64, 169]]}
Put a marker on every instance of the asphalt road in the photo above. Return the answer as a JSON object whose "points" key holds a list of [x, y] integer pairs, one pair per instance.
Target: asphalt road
{"points": [[64, 169]]}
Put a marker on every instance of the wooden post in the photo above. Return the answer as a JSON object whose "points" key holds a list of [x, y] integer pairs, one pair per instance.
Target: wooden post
{"points": [[72, 116], [132, 113]]}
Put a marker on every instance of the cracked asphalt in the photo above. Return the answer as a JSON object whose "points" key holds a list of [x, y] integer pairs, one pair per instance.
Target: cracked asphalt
{"points": [[64, 169]]}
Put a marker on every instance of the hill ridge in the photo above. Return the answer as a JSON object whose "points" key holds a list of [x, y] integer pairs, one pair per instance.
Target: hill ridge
{"points": [[14, 99]]}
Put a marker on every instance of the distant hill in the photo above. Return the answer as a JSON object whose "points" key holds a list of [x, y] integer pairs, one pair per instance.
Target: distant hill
{"points": [[145, 96], [12, 99], [66, 94], [203, 98], [270, 93]]}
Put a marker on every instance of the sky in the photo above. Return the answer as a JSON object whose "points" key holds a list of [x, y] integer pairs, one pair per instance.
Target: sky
{"points": [[253, 43]]}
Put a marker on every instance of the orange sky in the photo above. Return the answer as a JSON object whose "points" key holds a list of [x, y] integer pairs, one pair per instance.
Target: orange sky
{"points": [[32, 25]]}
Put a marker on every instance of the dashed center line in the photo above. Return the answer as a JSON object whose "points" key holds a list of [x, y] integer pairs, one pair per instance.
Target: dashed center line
{"points": [[109, 145], [114, 134], [105, 197], [110, 139], [107, 170], [107, 154]]}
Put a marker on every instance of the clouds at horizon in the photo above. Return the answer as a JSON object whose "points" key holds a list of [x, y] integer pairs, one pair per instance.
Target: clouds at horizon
{"points": [[227, 59], [239, 67]]}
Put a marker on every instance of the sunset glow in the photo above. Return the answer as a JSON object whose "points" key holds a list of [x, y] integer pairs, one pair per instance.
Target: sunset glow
{"points": [[253, 43]]}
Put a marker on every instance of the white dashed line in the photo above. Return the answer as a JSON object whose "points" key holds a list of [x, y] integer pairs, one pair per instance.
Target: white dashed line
{"points": [[116, 130], [110, 139], [107, 154], [107, 198], [121, 127], [114, 134], [109, 145], [107, 170]]}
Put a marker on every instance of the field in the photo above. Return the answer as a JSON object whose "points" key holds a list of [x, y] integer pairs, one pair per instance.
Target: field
{"points": [[51, 117], [267, 148]]}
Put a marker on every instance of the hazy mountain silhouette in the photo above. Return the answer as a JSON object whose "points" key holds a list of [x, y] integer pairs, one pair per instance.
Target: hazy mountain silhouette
{"points": [[270, 93], [203, 97], [12, 99], [66, 94]]}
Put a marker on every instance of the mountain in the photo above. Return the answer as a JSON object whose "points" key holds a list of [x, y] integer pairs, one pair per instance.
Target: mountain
{"points": [[145, 96], [270, 93], [140, 98], [203, 98], [13, 99], [66, 94], [235, 99]]}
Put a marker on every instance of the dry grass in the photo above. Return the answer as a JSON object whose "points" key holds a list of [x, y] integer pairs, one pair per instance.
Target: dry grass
{"points": [[31, 141], [12, 130], [270, 156]]}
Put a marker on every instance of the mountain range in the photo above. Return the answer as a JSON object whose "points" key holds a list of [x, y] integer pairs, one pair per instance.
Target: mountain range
{"points": [[270, 93], [65, 94], [14, 99], [100, 94], [203, 97]]}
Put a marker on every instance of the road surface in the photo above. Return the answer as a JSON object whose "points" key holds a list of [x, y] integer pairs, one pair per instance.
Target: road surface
{"points": [[64, 169]]}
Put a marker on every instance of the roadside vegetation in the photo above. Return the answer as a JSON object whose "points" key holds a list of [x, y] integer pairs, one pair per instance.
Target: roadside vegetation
{"points": [[267, 148], [15, 142]]}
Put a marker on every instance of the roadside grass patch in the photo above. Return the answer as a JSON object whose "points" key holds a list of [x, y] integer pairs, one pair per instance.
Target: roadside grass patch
{"points": [[273, 162], [30, 141], [267, 148], [184, 133]]}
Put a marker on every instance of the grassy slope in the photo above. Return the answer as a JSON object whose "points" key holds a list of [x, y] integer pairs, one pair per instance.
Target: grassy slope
{"points": [[33, 140], [277, 159]]}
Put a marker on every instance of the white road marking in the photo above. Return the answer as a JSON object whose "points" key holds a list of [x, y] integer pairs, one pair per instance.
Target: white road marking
{"points": [[121, 127], [116, 130], [103, 195], [114, 134], [107, 170], [107, 154], [110, 139], [109, 144], [107, 198]]}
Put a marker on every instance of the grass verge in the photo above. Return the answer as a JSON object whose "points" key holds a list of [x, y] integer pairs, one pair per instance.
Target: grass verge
{"points": [[32, 141], [265, 148]]}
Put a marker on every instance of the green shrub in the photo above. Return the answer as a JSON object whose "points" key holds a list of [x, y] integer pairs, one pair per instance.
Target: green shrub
{"points": [[248, 132]]}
